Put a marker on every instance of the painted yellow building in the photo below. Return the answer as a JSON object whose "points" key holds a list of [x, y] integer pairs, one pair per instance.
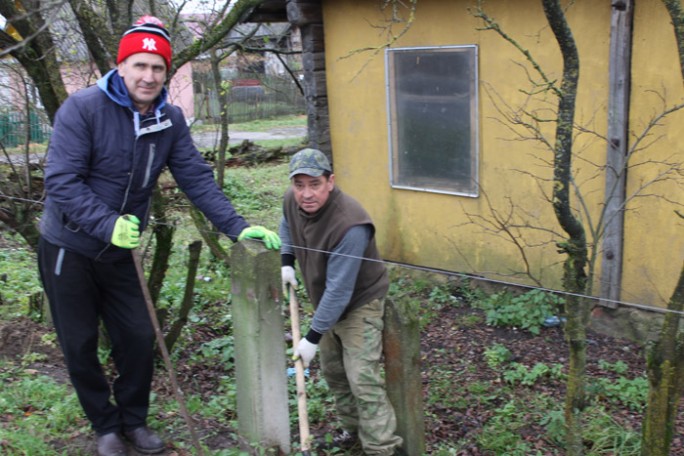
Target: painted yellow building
{"points": [[382, 59], [475, 233]]}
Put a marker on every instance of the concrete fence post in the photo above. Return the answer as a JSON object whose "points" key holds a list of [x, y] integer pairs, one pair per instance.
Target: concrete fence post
{"points": [[401, 344], [261, 375]]}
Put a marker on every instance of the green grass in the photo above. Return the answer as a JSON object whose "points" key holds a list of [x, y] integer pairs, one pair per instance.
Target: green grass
{"points": [[257, 192], [20, 281], [500, 434], [267, 124], [273, 143], [257, 125], [36, 411]]}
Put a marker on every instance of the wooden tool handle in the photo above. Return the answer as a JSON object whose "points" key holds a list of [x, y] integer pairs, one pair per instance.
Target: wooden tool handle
{"points": [[299, 374]]}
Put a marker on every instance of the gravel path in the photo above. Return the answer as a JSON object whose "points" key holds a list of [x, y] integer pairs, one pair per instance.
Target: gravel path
{"points": [[206, 139], [210, 138]]}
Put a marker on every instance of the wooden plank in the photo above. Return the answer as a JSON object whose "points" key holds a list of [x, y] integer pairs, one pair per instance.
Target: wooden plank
{"points": [[616, 160], [313, 39], [308, 16], [267, 17], [313, 60], [268, 11], [304, 12]]}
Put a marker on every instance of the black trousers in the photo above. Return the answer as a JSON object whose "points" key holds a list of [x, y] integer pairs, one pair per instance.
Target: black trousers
{"points": [[81, 293]]}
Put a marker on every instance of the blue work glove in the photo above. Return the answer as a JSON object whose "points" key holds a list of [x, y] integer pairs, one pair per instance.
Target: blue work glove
{"points": [[306, 351], [271, 239], [126, 232]]}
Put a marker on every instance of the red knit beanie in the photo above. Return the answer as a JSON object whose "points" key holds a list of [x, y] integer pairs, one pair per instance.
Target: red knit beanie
{"points": [[146, 35]]}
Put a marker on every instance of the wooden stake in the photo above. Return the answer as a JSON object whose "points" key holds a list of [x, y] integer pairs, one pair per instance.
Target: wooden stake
{"points": [[299, 374], [165, 353]]}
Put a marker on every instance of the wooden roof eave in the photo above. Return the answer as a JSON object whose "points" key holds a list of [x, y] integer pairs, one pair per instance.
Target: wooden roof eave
{"points": [[268, 11]]}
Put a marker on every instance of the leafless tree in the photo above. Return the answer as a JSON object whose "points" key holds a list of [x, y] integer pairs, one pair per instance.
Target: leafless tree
{"points": [[665, 357], [581, 233]]}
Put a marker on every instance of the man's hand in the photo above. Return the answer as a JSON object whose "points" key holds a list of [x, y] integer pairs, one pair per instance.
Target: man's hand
{"points": [[287, 274], [126, 232], [271, 239], [306, 351]]}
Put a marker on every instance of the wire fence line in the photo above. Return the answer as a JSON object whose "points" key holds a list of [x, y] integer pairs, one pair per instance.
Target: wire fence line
{"points": [[16, 129], [445, 272], [270, 97], [264, 98]]}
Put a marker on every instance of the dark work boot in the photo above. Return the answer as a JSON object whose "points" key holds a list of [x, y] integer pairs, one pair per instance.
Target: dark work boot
{"points": [[399, 451], [145, 440], [342, 440], [110, 444]]}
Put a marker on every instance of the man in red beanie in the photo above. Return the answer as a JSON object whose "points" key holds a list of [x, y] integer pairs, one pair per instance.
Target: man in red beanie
{"points": [[109, 145]]}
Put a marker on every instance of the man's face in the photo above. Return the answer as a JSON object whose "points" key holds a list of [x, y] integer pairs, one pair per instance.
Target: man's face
{"points": [[144, 75], [311, 193]]}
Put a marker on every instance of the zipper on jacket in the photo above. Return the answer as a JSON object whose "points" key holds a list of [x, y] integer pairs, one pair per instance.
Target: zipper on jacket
{"points": [[125, 198], [130, 178], [150, 161]]}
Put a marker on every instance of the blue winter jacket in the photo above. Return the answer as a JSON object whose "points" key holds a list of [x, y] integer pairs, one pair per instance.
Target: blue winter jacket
{"points": [[103, 161]]}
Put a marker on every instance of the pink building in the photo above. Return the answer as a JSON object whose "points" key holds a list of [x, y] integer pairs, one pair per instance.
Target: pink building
{"points": [[180, 87]]}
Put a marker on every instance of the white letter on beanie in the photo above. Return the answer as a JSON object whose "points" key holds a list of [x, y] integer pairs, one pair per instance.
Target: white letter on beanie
{"points": [[149, 44]]}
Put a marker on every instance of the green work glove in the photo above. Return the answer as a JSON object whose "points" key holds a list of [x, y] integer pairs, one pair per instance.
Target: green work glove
{"points": [[271, 239], [126, 232]]}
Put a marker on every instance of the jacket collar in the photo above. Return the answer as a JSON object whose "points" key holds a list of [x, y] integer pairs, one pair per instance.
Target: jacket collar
{"points": [[113, 86]]}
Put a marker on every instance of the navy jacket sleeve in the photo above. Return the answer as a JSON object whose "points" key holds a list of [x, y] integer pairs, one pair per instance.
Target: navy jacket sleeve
{"points": [[68, 168]]}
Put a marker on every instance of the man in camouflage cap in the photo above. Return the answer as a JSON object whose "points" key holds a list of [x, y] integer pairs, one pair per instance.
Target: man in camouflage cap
{"points": [[331, 237]]}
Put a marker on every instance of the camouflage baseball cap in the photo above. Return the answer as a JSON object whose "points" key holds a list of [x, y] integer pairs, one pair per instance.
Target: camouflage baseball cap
{"points": [[311, 162]]}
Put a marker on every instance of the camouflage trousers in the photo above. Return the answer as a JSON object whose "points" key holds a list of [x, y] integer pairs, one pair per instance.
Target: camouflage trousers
{"points": [[350, 363]]}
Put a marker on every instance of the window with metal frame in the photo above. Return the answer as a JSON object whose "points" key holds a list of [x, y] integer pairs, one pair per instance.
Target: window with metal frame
{"points": [[433, 118]]}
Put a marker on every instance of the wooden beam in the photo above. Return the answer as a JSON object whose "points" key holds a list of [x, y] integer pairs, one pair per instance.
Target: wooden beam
{"points": [[267, 17], [301, 12], [268, 11], [616, 160]]}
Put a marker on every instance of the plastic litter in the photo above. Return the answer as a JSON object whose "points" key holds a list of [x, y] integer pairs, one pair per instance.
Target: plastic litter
{"points": [[553, 320], [291, 372]]}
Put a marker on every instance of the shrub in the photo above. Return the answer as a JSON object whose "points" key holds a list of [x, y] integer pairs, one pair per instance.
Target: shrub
{"points": [[527, 311]]}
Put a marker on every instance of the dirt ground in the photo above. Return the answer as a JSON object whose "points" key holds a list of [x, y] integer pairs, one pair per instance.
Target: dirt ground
{"points": [[453, 343]]}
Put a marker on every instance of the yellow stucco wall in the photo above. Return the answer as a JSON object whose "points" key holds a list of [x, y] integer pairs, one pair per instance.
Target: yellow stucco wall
{"points": [[435, 230]]}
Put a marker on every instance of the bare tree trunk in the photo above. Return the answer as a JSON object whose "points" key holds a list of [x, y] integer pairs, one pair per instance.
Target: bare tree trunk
{"points": [[574, 274], [36, 55], [186, 305], [665, 358], [665, 362], [674, 8], [221, 95], [21, 187], [163, 233], [101, 45], [209, 236]]}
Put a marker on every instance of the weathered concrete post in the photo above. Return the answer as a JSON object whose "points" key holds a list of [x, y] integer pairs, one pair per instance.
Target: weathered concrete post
{"points": [[261, 376], [401, 343]]}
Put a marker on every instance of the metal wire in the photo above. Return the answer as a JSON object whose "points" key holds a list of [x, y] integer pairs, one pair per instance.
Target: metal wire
{"points": [[470, 276]]}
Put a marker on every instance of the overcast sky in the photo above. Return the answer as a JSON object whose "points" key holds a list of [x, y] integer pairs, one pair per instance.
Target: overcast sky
{"points": [[201, 6]]}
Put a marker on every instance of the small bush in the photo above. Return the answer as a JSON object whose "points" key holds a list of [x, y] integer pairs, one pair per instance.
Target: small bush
{"points": [[496, 355], [527, 311], [519, 373]]}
